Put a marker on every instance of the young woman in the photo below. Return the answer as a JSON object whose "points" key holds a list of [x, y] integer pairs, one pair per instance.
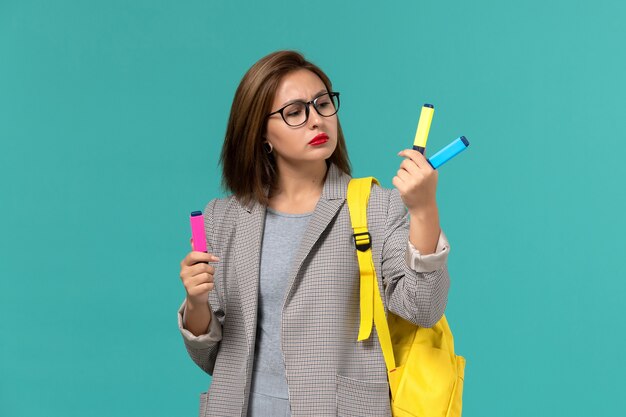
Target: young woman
{"points": [[272, 310]]}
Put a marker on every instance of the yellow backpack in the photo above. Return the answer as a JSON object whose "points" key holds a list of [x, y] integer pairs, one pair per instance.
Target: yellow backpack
{"points": [[428, 378]]}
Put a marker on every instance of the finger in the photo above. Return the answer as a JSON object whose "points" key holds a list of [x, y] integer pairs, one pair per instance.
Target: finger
{"points": [[194, 281], [199, 279], [191, 243], [412, 153], [195, 257], [404, 176], [416, 157], [199, 268], [410, 167], [399, 184], [190, 272]]}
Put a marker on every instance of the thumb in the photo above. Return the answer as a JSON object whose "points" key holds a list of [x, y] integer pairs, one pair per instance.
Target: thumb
{"points": [[191, 242]]}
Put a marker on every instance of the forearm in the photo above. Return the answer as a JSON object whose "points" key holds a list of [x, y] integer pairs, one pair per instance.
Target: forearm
{"points": [[424, 229], [197, 318]]}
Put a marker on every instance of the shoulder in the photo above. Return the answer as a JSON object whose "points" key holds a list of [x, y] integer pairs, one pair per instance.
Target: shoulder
{"points": [[382, 200], [220, 207], [385, 208], [385, 198], [220, 222], [221, 213]]}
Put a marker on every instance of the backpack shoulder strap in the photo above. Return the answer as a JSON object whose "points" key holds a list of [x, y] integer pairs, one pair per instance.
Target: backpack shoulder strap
{"points": [[372, 308]]}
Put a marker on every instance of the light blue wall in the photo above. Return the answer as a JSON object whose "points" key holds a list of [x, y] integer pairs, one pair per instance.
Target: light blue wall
{"points": [[111, 119]]}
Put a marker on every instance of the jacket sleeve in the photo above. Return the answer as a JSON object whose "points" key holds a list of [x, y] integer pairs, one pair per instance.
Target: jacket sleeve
{"points": [[416, 286], [203, 348]]}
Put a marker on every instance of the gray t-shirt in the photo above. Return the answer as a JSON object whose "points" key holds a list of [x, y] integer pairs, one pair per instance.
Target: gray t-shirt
{"points": [[269, 394]]}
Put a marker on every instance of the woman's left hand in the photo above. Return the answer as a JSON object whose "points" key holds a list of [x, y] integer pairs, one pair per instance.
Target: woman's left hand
{"points": [[417, 182]]}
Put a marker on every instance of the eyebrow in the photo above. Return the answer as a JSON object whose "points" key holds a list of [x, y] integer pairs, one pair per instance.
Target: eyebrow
{"points": [[319, 93]]}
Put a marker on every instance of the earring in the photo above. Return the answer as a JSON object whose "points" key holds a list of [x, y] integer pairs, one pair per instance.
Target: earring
{"points": [[267, 147]]}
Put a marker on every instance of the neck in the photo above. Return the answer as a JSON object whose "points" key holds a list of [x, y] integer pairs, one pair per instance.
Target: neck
{"points": [[298, 187]]}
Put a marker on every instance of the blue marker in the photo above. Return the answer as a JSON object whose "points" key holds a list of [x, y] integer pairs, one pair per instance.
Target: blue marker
{"points": [[456, 147]]}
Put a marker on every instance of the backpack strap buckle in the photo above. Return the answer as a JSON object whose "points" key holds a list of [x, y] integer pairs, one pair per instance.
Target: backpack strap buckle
{"points": [[362, 241]]}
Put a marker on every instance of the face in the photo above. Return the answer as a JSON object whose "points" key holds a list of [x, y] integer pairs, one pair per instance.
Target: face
{"points": [[296, 146]]}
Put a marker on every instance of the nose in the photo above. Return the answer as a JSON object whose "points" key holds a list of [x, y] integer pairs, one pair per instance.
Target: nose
{"points": [[314, 117]]}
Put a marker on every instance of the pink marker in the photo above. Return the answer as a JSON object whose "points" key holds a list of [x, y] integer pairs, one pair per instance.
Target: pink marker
{"points": [[197, 231]]}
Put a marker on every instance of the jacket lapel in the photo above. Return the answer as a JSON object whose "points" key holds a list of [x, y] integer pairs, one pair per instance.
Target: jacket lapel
{"points": [[332, 199], [247, 263]]}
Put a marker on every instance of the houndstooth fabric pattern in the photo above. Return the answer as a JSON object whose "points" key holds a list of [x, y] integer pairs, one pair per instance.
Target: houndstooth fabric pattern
{"points": [[328, 372]]}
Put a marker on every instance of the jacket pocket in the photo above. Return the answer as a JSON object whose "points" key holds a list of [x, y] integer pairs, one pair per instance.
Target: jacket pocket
{"points": [[203, 400], [356, 398]]}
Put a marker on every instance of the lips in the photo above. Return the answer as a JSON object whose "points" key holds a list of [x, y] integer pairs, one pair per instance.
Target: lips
{"points": [[319, 139]]}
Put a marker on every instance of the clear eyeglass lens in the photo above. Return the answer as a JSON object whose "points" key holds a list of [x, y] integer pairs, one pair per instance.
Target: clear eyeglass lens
{"points": [[326, 105], [295, 114]]}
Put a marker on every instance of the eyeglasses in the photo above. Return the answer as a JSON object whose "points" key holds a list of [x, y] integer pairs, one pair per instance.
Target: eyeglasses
{"points": [[297, 113]]}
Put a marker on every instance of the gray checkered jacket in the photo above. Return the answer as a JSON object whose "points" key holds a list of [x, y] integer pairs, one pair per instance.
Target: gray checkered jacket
{"points": [[329, 373]]}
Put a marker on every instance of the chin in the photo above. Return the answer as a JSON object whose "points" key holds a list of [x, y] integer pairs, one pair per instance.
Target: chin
{"points": [[328, 154]]}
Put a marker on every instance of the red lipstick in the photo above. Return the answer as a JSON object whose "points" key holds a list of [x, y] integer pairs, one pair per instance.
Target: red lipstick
{"points": [[319, 139]]}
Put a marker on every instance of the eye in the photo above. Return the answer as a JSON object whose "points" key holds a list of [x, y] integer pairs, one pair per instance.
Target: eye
{"points": [[293, 113], [322, 100]]}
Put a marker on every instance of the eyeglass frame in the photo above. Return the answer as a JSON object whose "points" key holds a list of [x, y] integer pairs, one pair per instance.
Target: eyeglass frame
{"points": [[306, 108]]}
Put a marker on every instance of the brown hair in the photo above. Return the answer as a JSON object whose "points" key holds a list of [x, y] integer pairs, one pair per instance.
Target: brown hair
{"points": [[247, 170]]}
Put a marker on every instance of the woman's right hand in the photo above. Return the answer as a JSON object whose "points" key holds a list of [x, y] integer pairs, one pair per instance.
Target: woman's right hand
{"points": [[197, 276]]}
